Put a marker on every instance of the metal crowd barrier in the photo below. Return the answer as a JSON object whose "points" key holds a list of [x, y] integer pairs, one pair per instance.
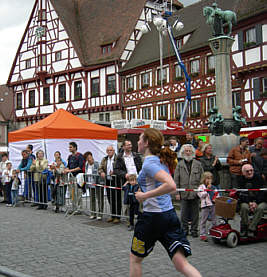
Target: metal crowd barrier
{"points": [[85, 193]]}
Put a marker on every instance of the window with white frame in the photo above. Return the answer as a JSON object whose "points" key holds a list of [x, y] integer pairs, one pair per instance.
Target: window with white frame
{"points": [[77, 90], [111, 84], [19, 100], [58, 56], [31, 98], [179, 108], [264, 86], [195, 107], [163, 111], [178, 72], [101, 117], [194, 66], [107, 117], [236, 99], [95, 87], [28, 63], [164, 75], [145, 80], [46, 96], [250, 35], [211, 64], [179, 43], [211, 102], [131, 114], [130, 83], [146, 113], [62, 93]]}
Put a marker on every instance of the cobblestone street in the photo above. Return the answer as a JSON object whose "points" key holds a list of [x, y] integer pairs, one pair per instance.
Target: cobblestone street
{"points": [[42, 243]]}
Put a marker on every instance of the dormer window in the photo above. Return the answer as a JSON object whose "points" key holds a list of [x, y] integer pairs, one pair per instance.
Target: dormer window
{"points": [[179, 43], [106, 48], [41, 15], [58, 56]]}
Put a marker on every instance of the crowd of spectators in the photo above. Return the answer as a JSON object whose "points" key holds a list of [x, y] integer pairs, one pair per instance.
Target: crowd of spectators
{"points": [[116, 173]]}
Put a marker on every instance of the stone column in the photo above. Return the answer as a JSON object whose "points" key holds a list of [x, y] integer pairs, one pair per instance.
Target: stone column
{"points": [[221, 47]]}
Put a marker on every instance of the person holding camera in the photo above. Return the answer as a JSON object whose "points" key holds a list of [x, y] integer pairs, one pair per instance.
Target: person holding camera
{"points": [[237, 157]]}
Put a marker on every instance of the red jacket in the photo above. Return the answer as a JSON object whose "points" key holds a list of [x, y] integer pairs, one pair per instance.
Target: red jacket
{"points": [[234, 156]]}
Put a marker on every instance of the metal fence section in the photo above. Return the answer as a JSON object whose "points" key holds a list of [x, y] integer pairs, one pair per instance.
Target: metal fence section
{"points": [[84, 193]]}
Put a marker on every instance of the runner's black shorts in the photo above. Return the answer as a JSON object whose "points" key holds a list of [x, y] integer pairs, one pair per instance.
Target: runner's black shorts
{"points": [[164, 227]]}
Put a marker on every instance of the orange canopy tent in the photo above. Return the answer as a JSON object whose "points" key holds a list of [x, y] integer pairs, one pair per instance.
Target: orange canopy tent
{"points": [[62, 124], [56, 131]]}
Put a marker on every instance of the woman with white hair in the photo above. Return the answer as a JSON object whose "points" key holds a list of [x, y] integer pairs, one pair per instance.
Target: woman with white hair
{"points": [[187, 176]]}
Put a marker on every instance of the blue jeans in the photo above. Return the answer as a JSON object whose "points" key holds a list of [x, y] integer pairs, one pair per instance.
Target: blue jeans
{"points": [[14, 196]]}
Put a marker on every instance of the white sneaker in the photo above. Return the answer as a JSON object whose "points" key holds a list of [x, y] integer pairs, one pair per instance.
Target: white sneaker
{"points": [[99, 218], [9, 205], [92, 217]]}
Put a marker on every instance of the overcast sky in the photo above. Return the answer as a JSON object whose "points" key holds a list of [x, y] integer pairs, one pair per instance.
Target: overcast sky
{"points": [[14, 16]]}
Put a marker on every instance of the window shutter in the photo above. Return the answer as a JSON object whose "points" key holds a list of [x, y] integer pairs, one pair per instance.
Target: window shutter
{"points": [[256, 88], [258, 34], [240, 41]]}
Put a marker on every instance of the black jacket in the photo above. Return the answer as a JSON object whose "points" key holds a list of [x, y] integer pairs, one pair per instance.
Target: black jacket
{"points": [[129, 194], [251, 196], [120, 169], [207, 166]]}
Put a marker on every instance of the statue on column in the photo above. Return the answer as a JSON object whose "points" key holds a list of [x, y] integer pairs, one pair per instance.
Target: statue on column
{"points": [[219, 19], [215, 122], [238, 120]]}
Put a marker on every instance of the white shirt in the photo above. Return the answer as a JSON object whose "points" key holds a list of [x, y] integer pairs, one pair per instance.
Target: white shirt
{"points": [[129, 162], [110, 163], [3, 166], [6, 178]]}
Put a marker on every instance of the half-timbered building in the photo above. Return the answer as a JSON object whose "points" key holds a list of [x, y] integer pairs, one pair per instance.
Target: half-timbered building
{"points": [[149, 93], [70, 55]]}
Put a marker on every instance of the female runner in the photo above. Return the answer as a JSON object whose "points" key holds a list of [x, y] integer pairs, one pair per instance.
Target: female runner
{"points": [[159, 221]]}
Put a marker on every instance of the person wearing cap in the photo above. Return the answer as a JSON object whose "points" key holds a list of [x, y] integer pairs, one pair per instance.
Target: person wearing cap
{"points": [[237, 157]]}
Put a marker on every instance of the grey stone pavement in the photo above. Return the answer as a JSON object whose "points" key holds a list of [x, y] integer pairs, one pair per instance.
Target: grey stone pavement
{"points": [[43, 243]]}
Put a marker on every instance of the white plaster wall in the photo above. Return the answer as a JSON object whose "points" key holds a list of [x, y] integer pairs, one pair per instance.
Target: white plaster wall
{"points": [[238, 59], [19, 112], [31, 111], [264, 52], [111, 69], [59, 45], [247, 95], [102, 83], [78, 104], [264, 32], [60, 65], [235, 44], [252, 55], [247, 84], [265, 107], [26, 74], [62, 35], [94, 74], [62, 106]]}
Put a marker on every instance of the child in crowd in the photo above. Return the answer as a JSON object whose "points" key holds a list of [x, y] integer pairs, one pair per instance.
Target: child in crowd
{"points": [[130, 187], [207, 203], [15, 188], [7, 182], [60, 187]]}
